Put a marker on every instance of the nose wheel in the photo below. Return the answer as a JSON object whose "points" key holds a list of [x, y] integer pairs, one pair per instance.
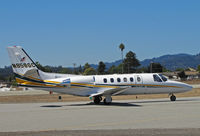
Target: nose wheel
{"points": [[173, 97]]}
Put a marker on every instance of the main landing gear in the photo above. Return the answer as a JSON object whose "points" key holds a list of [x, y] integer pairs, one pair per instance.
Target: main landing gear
{"points": [[173, 97], [107, 100], [97, 99]]}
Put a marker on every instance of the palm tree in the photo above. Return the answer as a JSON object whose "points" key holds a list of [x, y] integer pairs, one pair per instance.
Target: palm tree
{"points": [[122, 47]]}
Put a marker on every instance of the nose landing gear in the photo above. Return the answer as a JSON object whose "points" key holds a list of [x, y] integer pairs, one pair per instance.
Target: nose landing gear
{"points": [[173, 97]]}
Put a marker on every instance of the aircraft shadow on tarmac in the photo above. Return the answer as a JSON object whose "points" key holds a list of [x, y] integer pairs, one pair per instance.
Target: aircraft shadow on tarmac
{"points": [[51, 106], [162, 101], [122, 104], [127, 104], [92, 104]]}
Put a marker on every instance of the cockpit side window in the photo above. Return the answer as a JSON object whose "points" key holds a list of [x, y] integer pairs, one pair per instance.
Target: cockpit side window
{"points": [[157, 78], [163, 77]]}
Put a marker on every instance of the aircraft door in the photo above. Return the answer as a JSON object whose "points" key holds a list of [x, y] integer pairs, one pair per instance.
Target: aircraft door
{"points": [[138, 79], [94, 80]]}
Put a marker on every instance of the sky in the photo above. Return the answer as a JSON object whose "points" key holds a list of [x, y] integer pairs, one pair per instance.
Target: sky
{"points": [[63, 32]]}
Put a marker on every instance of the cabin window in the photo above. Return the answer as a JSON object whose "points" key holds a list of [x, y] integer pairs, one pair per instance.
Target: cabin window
{"points": [[105, 80], [138, 79], [157, 78], [163, 77], [125, 79], [131, 79], [118, 80], [111, 80]]}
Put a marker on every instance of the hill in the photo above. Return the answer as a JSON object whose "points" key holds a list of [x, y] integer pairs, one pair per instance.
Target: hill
{"points": [[171, 62]]}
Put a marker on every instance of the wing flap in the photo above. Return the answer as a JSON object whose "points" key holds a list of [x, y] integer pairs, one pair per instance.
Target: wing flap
{"points": [[107, 91]]}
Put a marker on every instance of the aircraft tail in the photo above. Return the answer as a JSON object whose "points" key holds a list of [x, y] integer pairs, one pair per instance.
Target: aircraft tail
{"points": [[22, 64]]}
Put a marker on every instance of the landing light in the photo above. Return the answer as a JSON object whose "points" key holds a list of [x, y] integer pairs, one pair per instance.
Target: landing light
{"points": [[91, 98]]}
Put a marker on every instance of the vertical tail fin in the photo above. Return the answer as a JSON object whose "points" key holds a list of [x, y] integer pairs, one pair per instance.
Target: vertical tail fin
{"points": [[22, 64]]}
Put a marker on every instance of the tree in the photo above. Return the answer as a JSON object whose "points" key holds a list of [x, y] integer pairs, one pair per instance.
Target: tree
{"points": [[80, 70], [131, 62], [47, 69], [65, 71], [122, 47], [101, 68], [2, 78], [86, 66], [43, 68], [142, 70], [155, 68], [90, 71], [112, 70], [115, 69], [198, 68], [39, 66]]}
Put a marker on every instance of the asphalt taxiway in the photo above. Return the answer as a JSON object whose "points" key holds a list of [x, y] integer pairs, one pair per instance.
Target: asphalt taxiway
{"points": [[137, 114]]}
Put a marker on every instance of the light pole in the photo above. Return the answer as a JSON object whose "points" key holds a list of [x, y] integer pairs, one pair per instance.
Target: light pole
{"points": [[74, 67], [151, 67]]}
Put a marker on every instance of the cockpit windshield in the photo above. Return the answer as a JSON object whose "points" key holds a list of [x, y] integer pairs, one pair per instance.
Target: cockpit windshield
{"points": [[156, 78], [163, 77]]}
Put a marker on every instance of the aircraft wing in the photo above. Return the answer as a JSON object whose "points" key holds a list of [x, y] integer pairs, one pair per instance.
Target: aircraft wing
{"points": [[107, 91]]}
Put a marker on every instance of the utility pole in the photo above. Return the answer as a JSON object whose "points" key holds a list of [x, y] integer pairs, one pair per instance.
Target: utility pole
{"points": [[74, 68], [128, 67], [151, 67]]}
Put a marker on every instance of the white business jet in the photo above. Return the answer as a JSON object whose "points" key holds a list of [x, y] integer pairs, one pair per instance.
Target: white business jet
{"points": [[93, 86]]}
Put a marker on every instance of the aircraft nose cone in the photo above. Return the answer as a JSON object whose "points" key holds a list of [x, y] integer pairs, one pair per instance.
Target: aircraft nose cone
{"points": [[188, 87], [183, 86]]}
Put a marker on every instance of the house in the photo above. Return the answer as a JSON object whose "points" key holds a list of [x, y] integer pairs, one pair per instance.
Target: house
{"points": [[192, 75], [171, 75]]}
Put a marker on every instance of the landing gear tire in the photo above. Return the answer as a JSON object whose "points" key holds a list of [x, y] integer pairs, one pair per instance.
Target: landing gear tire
{"points": [[97, 99], [106, 103], [60, 97], [107, 100], [173, 98]]}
